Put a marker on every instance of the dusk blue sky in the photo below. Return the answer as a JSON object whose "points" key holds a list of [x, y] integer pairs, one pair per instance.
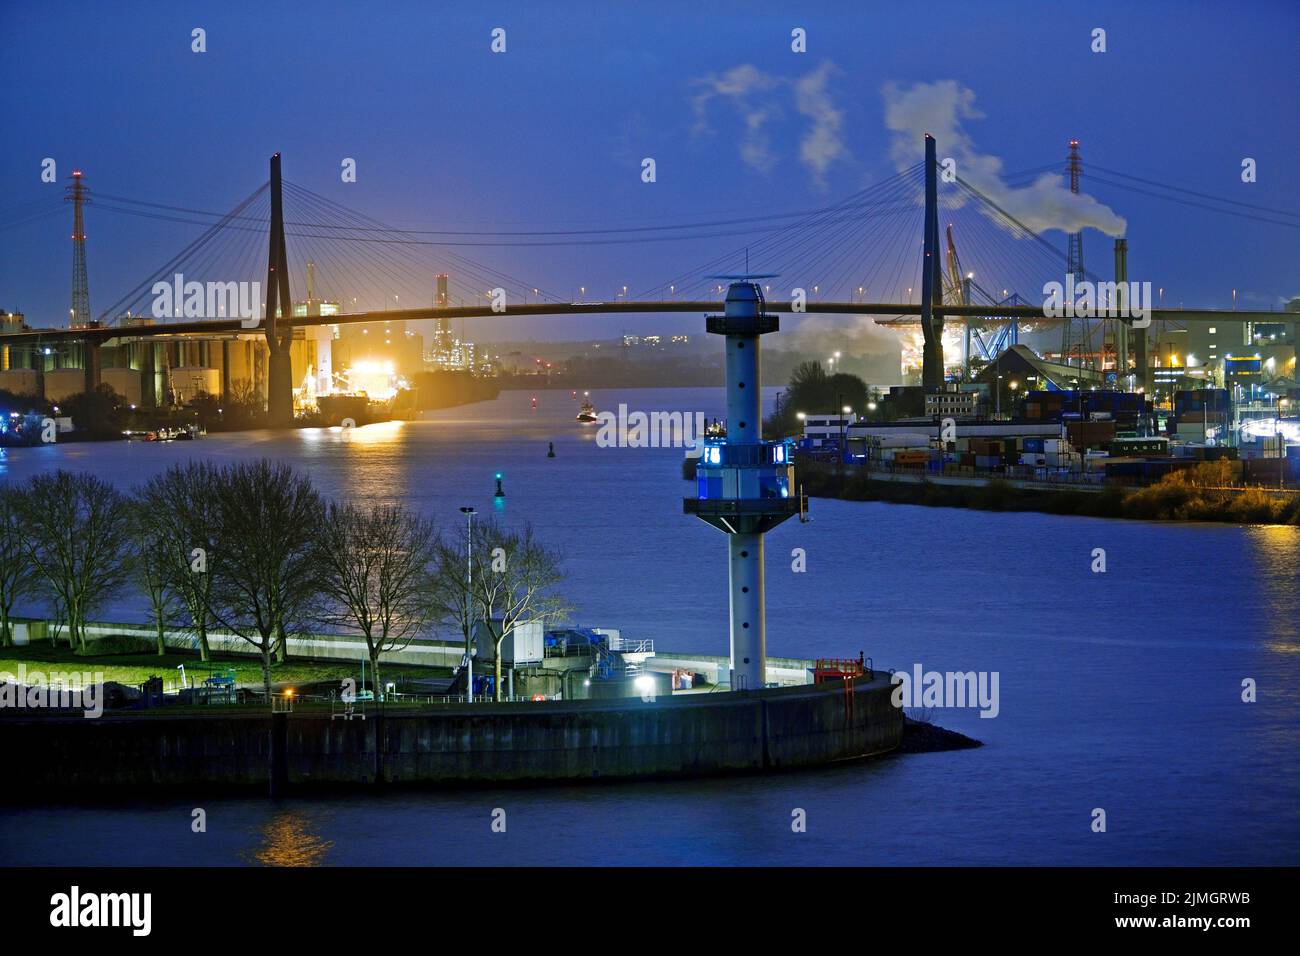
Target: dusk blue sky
{"points": [[551, 134]]}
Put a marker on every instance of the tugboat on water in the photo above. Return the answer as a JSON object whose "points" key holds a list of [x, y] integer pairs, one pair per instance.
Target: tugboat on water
{"points": [[587, 414], [167, 433]]}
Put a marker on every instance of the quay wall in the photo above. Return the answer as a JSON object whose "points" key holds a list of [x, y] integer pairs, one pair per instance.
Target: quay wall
{"points": [[682, 735]]}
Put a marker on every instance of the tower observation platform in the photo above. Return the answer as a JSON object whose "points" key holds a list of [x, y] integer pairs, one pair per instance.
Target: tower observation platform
{"points": [[745, 485]]}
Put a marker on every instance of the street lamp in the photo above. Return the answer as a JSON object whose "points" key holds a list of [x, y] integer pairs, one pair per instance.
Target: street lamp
{"points": [[1281, 440], [844, 411], [469, 513]]}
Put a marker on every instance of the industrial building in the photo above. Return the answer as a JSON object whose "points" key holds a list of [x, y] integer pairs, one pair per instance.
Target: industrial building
{"points": [[818, 428], [955, 402]]}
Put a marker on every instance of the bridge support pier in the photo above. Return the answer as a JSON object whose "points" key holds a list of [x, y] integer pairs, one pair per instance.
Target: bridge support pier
{"points": [[145, 359], [90, 362], [225, 370], [279, 389]]}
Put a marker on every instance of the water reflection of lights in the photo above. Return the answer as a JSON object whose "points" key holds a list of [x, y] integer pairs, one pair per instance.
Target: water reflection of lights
{"points": [[290, 839], [373, 434], [1276, 552]]}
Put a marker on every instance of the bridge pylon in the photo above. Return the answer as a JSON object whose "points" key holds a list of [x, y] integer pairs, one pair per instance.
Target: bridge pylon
{"points": [[931, 277], [279, 378]]}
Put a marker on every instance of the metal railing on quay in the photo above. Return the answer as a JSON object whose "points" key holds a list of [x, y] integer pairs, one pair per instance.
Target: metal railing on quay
{"points": [[568, 650]]}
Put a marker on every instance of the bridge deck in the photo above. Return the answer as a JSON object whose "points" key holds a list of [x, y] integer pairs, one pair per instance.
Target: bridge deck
{"points": [[899, 312]]}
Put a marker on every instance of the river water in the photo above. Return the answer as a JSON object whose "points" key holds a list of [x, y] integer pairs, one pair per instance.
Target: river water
{"points": [[1119, 690]]}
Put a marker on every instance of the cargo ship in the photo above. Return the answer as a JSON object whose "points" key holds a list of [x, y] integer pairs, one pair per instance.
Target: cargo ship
{"points": [[450, 388], [357, 409]]}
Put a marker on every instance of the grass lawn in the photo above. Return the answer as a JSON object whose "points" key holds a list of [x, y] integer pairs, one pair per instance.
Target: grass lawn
{"points": [[135, 669]]}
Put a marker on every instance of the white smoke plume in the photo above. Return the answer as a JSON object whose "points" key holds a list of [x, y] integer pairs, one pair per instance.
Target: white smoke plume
{"points": [[759, 98], [940, 109], [745, 87], [822, 144]]}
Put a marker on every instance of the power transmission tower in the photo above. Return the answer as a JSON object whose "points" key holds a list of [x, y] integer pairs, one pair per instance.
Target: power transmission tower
{"points": [[1076, 337], [78, 195]]}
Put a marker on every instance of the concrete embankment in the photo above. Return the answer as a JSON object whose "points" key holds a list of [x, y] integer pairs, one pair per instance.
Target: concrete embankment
{"points": [[1168, 500], [697, 734], [921, 737]]}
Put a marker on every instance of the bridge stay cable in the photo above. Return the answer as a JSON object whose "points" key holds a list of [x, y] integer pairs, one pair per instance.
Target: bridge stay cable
{"points": [[110, 314]]}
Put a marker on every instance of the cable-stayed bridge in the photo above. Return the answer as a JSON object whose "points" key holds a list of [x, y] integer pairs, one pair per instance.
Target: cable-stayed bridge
{"points": [[875, 253]]}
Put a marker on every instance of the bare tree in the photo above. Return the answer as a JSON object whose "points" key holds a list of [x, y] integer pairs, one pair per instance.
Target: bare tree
{"points": [[149, 567], [515, 585], [16, 578], [78, 530], [266, 574], [377, 575], [182, 505], [244, 392]]}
